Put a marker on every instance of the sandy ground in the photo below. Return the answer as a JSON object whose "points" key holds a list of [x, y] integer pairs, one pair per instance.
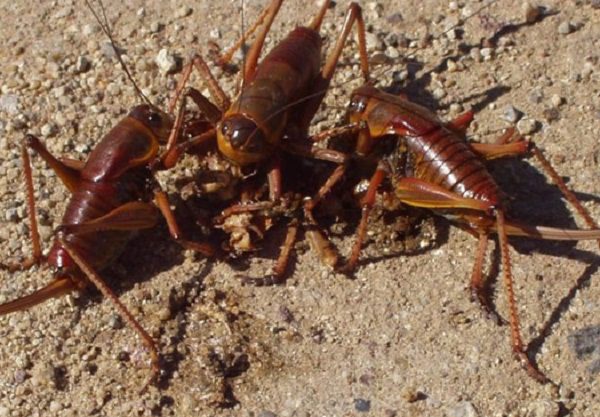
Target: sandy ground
{"points": [[400, 339]]}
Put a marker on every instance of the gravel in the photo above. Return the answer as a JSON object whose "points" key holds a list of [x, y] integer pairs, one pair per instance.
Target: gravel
{"points": [[404, 320]]}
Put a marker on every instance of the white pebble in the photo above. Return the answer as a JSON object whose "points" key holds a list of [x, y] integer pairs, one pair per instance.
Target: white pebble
{"points": [[511, 114], [81, 65], [565, 28], [155, 27], [543, 408], [392, 52], [556, 100], [55, 406], [452, 67], [48, 130], [9, 103], [463, 409], [487, 53], [89, 29], [373, 42], [183, 11], [166, 61], [526, 126], [439, 93], [456, 108]]}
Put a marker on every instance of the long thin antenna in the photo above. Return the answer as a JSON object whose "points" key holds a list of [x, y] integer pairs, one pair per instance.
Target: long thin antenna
{"points": [[105, 26], [243, 51]]}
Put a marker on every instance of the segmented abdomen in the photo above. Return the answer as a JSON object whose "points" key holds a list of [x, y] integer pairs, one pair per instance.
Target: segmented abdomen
{"points": [[91, 201], [444, 159]]}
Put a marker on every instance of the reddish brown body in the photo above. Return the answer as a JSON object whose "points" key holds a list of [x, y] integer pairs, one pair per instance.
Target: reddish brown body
{"points": [[112, 199], [279, 97], [109, 179], [263, 113], [437, 154], [435, 167]]}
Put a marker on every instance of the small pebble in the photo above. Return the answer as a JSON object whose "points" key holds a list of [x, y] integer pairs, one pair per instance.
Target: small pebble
{"points": [[183, 11], [113, 89], [155, 27], [395, 18], [89, 29], [81, 65], [373, 42], [463, 409], [20, 376], [48, 130], [475, 53], [556, 100], [9, 103], [55, 407], [439, 93], [536, 96], [4, 411], [141, 12], [452, 67], [527, 126], [551, 114], [565, 28], [391, 39], [511, 114], [399, 76], [215, 33], [531, 13], [64, 12], [115, 321], [587, 70], [164, 314], [362, 405], [392, 52], [166, 61], [543, 408], [452, 34], [456, 108], [10, 214], [266, 413], [487, 53]]}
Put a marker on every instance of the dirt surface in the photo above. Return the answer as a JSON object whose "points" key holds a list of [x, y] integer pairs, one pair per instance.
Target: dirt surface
{"points": [[401, 338]]}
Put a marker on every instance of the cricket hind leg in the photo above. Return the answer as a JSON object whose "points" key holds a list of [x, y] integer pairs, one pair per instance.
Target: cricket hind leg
{"points": [[479, 285], [422, 194], [131, 321], [69, 177], [515, 332]]}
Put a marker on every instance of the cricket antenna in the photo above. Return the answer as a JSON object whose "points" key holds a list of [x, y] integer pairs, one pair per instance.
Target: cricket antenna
{"points": [[104, 25], [243, 84]]}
